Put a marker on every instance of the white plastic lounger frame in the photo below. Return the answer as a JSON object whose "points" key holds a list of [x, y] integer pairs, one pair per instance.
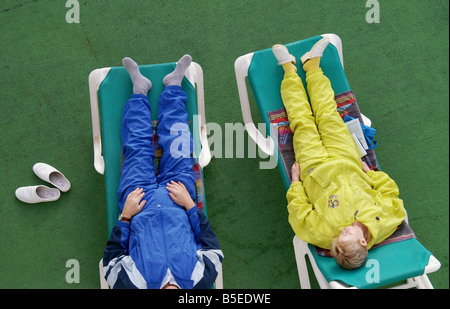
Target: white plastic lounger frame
{"points": [[195, 76], [241, 66]]}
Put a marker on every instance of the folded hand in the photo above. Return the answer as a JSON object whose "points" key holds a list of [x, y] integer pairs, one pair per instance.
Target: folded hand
{"points": [[134, 204], [179, 194]]}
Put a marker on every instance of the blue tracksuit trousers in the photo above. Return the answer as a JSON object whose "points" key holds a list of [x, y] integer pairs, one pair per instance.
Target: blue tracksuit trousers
{"points": [[174, 139]]}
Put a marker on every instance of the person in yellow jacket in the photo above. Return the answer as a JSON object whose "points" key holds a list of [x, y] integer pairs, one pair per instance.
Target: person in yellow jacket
{"points": [[335, 201]]}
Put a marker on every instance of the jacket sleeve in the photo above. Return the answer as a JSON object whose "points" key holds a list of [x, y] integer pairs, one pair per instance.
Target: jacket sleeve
{"points": [[305, 221], [209, 255], [119, 268], [393, 212], [382, 183]]}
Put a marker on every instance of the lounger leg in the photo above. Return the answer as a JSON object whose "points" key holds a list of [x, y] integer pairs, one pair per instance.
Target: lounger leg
{"points": [[423, 282], [103, 282], [219, 280], [302, 268]]}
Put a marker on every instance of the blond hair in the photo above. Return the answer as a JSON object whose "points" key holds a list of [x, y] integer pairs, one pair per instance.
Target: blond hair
{"points": [[349, 254]]}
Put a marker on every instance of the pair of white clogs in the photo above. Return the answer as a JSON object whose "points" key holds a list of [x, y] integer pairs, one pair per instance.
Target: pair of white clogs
{"points": [[41, 193]]}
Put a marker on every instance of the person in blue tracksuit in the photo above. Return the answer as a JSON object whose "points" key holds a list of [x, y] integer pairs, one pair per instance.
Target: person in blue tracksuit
{"points": [[161, 240]]}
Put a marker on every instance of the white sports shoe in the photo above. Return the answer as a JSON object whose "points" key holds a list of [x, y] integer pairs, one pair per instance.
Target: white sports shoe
{"points": [[37, 194], [282, 54], [316, 51], [51, 175]]}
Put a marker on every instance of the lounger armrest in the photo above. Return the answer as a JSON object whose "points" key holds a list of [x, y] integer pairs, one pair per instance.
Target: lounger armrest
{"points": [[195, 76], [433, 265], [266, 144], [337, 42], [95, 79]]}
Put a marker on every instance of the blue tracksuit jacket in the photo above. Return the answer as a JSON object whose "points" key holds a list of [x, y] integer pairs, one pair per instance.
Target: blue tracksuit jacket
{"points": [[163, 235]]}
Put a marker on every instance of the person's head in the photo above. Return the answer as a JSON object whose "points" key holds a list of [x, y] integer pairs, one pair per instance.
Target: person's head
{"points": [[349, 249], [169, 286]]}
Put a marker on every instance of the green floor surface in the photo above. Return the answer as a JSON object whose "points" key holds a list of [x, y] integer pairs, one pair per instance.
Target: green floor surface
{"points": [[398, 69]]}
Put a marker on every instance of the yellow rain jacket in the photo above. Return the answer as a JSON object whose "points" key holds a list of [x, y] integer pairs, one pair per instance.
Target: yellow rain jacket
{"points": [[337, 193]]}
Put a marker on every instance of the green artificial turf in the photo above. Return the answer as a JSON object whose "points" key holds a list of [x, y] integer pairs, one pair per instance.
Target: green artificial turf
{"points": [[398, 69]]}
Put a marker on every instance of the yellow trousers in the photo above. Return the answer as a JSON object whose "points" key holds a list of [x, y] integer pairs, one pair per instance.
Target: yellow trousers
{"points": [[320, 134]]}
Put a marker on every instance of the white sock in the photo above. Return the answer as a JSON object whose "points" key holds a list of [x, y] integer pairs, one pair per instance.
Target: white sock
{"points": [[141, 84], [176, 77]]}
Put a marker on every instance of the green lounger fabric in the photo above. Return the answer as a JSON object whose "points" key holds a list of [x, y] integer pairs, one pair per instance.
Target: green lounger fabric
{"points": [[385, 265], [114, 92]]}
